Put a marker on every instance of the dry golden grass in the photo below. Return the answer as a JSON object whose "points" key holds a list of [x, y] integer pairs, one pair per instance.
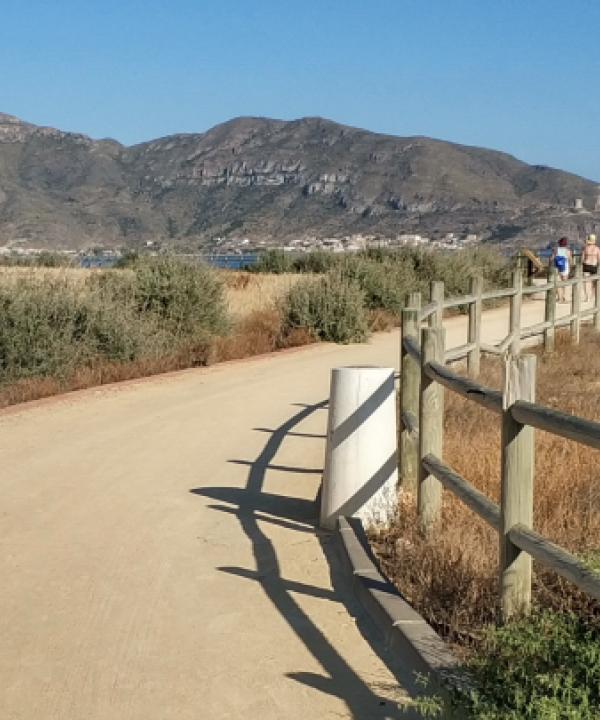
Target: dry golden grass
{"points": [[248, 292], [102, 373], [452, 578]]}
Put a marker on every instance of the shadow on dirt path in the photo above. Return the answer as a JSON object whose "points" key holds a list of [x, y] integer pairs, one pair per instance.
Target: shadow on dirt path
{"points": [[251, 505]]}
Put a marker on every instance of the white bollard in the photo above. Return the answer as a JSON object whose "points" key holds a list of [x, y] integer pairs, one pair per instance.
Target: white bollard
{"points": [[360, 476]]}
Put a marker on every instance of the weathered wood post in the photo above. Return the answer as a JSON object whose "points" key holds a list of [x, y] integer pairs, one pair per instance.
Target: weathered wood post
{"points": [[431, 425], [413, 300], [410, 382], [474, 356], [597, 304], [516, 504], [523, 267], [436, 295], [519, 262], [550, 310], [515, 312], [576, 304]]}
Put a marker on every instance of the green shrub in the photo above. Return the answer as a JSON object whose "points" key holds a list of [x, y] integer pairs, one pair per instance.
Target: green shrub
{"points": [[385, 283], [387, 275], [37, 325], [188, 298], [317, 262], [456, 268], [46, 258], [272, 261], [52, 327], [546, 667], [127, 259], [331, 308]]}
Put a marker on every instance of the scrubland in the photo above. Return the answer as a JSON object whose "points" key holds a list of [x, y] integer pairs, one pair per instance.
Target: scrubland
{"points": [[65, 328]]}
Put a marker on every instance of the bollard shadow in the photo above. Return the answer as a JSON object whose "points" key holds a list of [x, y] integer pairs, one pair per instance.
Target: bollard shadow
{"points": [[282, 468], [375, 483], [316, 436], [251, 506], [363, 412]]}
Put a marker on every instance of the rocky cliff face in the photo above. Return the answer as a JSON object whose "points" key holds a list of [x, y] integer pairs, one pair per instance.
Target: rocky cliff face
{"points": [[267, 180]]}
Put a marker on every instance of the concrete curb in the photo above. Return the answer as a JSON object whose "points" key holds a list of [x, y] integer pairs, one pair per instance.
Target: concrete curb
{"points": [[405, 632]]}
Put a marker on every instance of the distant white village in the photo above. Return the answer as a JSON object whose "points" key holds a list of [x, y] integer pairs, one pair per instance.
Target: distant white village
{"points": [[346, 243], [243, 245], [223, 246]]}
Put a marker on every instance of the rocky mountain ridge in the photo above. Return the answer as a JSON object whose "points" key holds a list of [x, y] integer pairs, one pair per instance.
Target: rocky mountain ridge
{"points": [[271, 181]]}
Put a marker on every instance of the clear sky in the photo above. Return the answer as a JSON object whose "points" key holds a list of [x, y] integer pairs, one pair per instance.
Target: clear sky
{"points": [[520, 76]]}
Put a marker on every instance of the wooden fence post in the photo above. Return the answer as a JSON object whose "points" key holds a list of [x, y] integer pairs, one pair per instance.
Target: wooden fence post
{"points": [[515, 312], [516, 504], [576, 304], [550, 310], [410, 382], [522, 267], [431, 425], [474, 356], [597, 305], [413, 300], [436, 295]]}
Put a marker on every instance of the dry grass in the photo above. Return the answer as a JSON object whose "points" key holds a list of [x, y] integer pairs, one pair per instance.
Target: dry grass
{"points": [[258, 333], [249, 292], [102, 373], [452, 579]]}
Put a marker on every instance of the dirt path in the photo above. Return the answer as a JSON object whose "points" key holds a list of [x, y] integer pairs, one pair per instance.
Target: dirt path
{"points": [[159, 559]]}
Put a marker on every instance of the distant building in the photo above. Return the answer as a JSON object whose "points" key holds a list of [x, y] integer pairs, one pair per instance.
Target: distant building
{"points": [[410, 239]]}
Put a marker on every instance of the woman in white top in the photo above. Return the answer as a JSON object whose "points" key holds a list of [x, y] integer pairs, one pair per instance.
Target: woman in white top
{"points": [[562, 259]]}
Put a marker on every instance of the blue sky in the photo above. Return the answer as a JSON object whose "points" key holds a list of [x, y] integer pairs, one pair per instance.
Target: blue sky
{"points": [[522, 76]]}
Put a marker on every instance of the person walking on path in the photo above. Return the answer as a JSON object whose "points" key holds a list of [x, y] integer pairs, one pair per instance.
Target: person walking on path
{"points": [[591, 258], [562, 259]]}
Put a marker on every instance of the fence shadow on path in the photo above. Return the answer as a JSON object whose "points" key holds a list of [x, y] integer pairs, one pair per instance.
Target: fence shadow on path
{"points": [[251, 505]]}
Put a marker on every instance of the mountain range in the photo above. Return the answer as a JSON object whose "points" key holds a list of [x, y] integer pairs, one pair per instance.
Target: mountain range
{"points": [[272, 181]]}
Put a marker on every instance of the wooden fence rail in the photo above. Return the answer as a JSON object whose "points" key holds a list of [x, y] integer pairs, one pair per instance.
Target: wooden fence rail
{"points": [[424, 374]]}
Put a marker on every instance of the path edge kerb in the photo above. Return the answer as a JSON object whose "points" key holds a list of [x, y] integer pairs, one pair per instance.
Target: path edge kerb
{"points": [[407, 635]]}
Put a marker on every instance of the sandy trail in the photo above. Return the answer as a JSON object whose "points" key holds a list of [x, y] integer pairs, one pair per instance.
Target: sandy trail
{"points": [[159, 559]]}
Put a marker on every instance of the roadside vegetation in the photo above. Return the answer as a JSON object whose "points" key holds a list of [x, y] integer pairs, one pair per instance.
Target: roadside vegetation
{"points": [[60, 333], [46, 258], [64, 329], [386, 275], [548, 666]]}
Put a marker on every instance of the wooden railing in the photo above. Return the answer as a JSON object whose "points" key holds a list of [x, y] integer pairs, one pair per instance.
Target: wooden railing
{"points": [[425, 374]]}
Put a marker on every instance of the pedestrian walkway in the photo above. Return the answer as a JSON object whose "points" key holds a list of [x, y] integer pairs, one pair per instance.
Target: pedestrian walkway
{"points": [[160, 559]]}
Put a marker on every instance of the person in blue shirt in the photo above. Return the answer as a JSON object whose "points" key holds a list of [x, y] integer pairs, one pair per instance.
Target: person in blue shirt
{"points": [[562, 259]]}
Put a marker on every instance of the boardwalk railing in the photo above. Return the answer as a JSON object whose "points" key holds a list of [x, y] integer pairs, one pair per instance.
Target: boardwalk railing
{"points": [[425, 374]]}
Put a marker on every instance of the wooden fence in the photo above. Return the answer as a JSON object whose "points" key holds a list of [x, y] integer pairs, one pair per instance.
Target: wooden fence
{"points": [[425, 374]]}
